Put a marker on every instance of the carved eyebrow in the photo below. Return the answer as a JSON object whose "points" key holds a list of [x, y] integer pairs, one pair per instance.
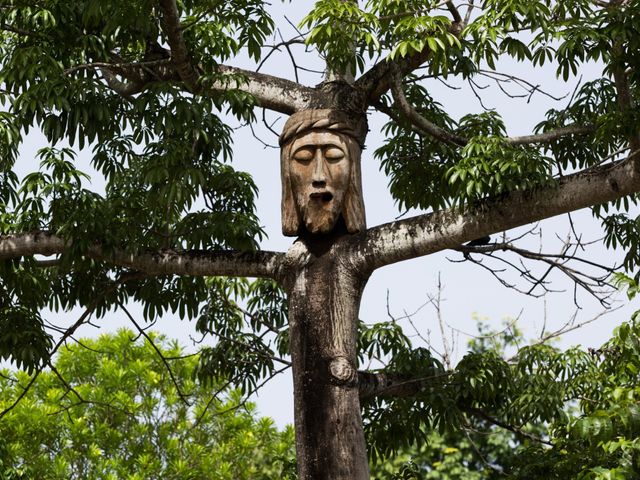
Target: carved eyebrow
{"points": [[321, 145]]}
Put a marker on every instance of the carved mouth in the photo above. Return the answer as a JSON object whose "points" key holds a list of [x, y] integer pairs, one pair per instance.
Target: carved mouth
{"points": [[325, 197]]}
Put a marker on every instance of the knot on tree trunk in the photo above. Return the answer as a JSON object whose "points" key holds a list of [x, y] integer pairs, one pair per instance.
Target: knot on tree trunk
{"points": [[341, 372]]}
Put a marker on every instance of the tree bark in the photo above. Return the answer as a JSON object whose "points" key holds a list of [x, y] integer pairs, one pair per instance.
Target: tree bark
{"points": [[433, 232], [163, 262], [324, 293]]}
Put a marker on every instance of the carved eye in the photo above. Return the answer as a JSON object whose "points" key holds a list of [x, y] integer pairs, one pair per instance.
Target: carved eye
{"points": [[333, 154], [303, 155]]}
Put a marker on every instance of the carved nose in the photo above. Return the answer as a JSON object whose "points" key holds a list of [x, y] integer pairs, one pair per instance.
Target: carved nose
{"points": [[319, 179]]}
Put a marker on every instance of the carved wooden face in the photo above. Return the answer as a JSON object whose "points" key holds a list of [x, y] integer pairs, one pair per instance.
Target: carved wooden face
{"points": [[320, 169]]}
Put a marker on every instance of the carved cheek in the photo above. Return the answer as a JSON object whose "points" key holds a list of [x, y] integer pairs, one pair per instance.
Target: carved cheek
{"points": [[300, 175], [339, 173]]}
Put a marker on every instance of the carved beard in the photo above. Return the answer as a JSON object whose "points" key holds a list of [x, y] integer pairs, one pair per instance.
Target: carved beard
{"points": [[320, 213]]}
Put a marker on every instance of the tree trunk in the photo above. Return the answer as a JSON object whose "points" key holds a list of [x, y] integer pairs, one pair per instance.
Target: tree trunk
{"points": [[324, 299]]}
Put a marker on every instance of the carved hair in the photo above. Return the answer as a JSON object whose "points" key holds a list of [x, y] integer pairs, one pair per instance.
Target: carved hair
{"points": [[353, 134]]}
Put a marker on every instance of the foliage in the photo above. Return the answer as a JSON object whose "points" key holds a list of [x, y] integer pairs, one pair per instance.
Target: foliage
{"points": [[243, 354], [165, 155], [111, 410], [519, 413]]}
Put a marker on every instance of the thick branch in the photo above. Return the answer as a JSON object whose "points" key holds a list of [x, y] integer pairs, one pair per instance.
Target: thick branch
{"points": [[270, 92], [454, 12], [166, 262], [375, 82], [625, 99], [552, 135], [372, 384], [430, 233], [124, 89], [621, 80]]}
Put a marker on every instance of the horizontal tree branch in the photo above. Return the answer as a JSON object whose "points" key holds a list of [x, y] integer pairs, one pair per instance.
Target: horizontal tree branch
{"points": [[165, 262], [433, 232], [551, 135], [275, 93], [124, 89], [383, 384]]}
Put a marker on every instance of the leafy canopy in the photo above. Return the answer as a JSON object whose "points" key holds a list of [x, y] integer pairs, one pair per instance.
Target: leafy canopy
{"points": [[507, 411], [165, 154], [109, 409]]}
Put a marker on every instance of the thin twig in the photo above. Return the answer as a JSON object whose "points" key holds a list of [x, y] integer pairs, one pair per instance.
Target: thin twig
{"points": [[182, 396], [512, 428]]}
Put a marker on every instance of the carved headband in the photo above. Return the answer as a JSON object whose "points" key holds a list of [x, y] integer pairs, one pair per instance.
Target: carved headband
{"points": [[325, 119]]}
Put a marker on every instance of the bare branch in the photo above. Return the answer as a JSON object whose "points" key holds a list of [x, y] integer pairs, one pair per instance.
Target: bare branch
{"points": [[430, 233], [594, 284], [164, 262], [529, 87], [297, 40], [570, 326], [447, 350]]}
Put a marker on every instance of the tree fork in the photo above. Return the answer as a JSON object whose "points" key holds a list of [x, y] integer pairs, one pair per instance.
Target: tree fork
{"points": [[324, 293]]}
